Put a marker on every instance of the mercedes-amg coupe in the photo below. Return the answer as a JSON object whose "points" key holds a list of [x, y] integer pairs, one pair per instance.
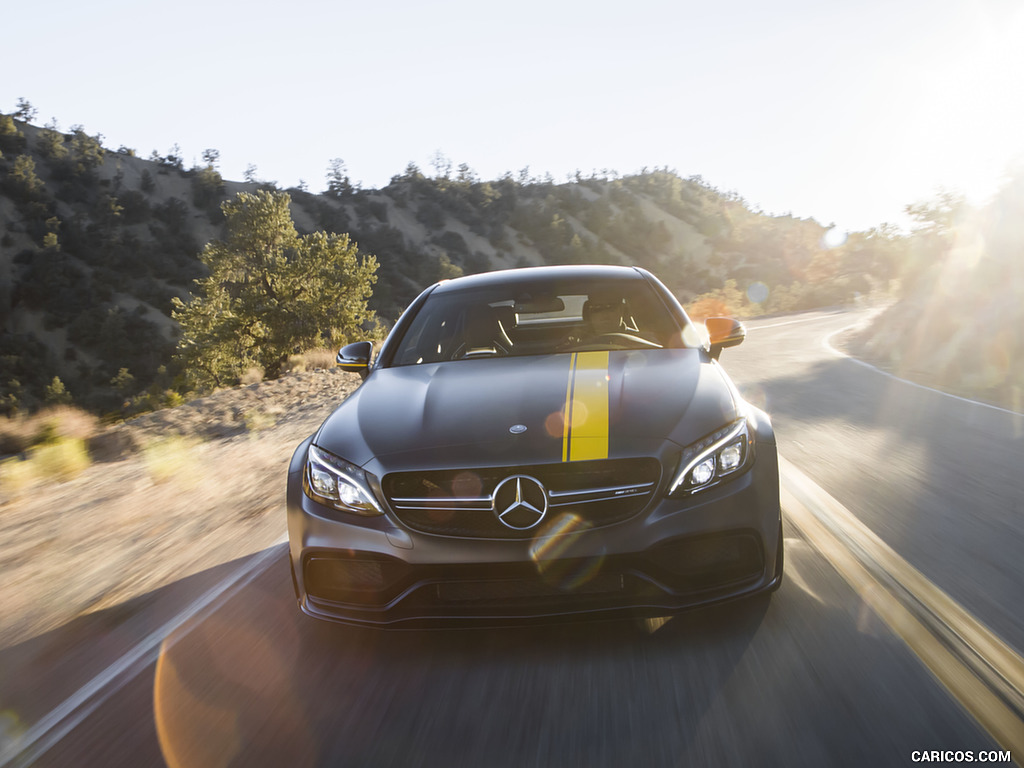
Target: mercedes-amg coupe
{"points": [[536, 443]]}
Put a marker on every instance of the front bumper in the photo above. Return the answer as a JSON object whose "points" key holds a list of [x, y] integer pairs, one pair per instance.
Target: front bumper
{"points": [[677, 554]]}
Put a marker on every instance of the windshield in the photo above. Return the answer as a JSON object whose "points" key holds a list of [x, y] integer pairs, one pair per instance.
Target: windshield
{"points": [[538, 319]]}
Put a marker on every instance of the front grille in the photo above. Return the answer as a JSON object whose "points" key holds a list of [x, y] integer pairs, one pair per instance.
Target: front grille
{"points": [[585, 494]]}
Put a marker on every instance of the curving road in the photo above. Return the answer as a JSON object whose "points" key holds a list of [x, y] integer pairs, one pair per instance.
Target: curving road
{"points": [[940, 479], [813, 677]]}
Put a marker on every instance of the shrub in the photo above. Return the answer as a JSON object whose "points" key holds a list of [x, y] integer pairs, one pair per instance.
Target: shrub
{"points": [[135, 208], [154, 399], [172, 399], [207, 188], [452, 242], [52, 425], [23, 181], [11, 138], [430, 215], [56, 393], [86, 150], [62, 422], [50, 144], [61, 460]]}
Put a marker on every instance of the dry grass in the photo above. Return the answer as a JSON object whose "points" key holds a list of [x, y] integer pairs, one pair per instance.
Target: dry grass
{"points": [[295, 364], [114, 534], [56, 461], [311, 360], [172, 458], [320, 358], [62, 459], [18, 433], [65, 421], [16, 476], [256, 420]]}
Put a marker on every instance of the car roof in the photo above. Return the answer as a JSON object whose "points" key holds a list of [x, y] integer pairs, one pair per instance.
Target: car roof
{"points": [[539, 274]]}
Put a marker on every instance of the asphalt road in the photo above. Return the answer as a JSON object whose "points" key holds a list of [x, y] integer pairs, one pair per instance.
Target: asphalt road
{"points": [[811, 677], [939, 479]]}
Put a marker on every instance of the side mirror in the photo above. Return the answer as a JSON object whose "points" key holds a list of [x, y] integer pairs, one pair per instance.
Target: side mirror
{"points": [[355, 358], [723, 332]]}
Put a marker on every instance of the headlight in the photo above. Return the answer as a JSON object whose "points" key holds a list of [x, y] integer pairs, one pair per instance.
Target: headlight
{"points": [[718, 456], [336, 483]]}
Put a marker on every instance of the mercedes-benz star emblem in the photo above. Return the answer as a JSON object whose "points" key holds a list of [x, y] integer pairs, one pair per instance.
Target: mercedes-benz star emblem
{"points": [[520, 502], [517, 429]]}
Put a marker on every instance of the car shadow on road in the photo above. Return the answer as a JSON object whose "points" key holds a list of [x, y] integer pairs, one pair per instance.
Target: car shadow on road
{"points": [[256, 683], [726, 685], [302, 692]]}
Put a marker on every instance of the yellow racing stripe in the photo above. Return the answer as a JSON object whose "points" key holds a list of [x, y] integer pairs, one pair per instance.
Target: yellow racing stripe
{"points": [[585, 431], [567, 411]]}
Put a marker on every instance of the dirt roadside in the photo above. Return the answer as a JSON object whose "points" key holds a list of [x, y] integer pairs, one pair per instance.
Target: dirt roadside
{"points": [[145, 519]]}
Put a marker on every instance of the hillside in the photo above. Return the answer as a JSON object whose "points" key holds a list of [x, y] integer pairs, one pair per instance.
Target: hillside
{"points": [[94, 244], [959, 323]]}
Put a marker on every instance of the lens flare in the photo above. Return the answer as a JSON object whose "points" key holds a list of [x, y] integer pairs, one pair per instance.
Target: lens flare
{"points": [[550, 546], [224, 689], [757, 292]]}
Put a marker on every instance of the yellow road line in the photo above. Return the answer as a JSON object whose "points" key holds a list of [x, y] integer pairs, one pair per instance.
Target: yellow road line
{"points": [[983, 673]]}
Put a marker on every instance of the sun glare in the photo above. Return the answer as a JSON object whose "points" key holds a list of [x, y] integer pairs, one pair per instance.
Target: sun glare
{"points": [[966, 112], [834, 238]]}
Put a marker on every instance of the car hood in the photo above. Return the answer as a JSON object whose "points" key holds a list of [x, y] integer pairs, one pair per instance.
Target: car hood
{"points": [[473, 412]]}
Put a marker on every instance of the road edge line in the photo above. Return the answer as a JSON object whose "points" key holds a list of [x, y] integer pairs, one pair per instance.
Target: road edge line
{"points": [[67, 715], [830, 347], [831, 529]]}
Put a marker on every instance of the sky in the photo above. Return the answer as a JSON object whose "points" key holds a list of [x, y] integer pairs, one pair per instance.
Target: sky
{"points": [[843, 111]]}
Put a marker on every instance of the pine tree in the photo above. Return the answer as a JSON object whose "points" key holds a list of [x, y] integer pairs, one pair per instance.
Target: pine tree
{"points": [[270, 293]]}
